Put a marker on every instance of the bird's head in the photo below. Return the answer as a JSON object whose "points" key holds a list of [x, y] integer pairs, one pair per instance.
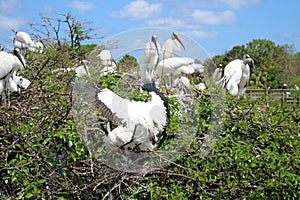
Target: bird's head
{"points": [[149, 87], [154, 40], [246, 56], [176, 37], [250, 62]]}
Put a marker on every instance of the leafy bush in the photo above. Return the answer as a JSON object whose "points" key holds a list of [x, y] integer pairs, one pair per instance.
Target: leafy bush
{"points": [[42, 156]]}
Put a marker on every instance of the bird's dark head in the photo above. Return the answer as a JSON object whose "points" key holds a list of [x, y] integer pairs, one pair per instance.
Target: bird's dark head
{"points": [[154, 40], [176, 37], [149, 87], [250, 62]]}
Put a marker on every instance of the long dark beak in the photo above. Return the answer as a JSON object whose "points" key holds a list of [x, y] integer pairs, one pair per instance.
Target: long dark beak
{"points": [[178, 39], [154, 40], [19, 56], [114, 61], [85, 68]]}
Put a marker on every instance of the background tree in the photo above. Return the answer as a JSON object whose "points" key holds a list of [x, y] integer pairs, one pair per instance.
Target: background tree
{"points": [[66, 30], [274, 64]]}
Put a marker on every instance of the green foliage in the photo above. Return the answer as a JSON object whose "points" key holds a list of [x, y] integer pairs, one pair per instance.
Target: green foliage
{"points": [[255, 154]]}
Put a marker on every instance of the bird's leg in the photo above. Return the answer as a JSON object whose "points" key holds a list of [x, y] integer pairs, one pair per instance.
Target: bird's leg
{"points": [[171, 84], [131, 140], [3, 97], [8, 91]]}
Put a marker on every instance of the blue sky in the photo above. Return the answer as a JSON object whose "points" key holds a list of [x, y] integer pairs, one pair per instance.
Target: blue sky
{"points": [[217, 25]]}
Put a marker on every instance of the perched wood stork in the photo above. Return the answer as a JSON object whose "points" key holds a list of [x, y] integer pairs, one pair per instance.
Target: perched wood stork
{"points": [[15, 83], [23, 41], [138, 123], [108, 63], [236, 75], [149, 59], [9, 64], [171, 46], [178, 65]]}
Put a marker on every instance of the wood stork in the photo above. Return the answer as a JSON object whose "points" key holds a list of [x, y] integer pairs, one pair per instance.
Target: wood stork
{"points": [[171, 46], [236, 75], [176, 66], [149, 59], [108, 63], [9, 64], [23, 41], [138, 123], [15, 83]]}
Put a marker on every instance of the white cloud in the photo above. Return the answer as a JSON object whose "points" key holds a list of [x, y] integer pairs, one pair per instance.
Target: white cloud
{"points": [[138, 10], [8, 24], [201, 34], [166, 22], [9, 6], [47, 10], [237, 4], [205, 17], [172, 23], [82, 6]]}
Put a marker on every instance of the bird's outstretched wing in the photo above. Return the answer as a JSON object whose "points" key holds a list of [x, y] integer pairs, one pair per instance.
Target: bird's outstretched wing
{"points": [[113, 106]]}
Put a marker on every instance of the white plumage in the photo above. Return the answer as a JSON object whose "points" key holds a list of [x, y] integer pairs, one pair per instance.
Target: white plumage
{"points": [[236, 75], [23, 41], [177, 65], [9, 64], [201, 86], [148, 60], [140, 122], [171, 46], [15, 83]]}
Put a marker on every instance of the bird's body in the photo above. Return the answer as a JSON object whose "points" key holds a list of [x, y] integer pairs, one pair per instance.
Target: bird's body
{"points": [[177, 65], [15, 83], [139, 121], [236, 76], [122, 136], [171, 46], [9, 64], [148, 60], [23, 41]]}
